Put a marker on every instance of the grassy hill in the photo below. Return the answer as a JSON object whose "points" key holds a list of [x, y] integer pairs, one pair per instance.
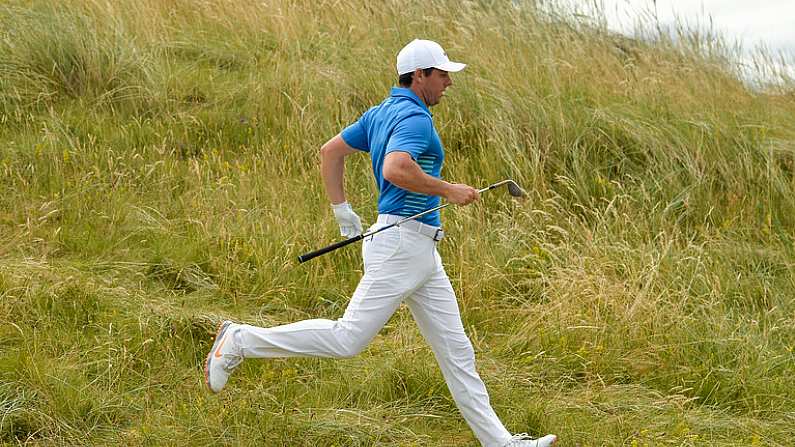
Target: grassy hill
{"points": [[159, 173]]}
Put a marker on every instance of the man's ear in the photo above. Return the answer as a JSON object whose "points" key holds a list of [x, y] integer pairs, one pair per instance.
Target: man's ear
{"points": [[418, 73]]}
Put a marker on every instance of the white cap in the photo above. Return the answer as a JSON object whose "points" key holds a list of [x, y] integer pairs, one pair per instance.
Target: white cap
{"points": [[425, 54]]}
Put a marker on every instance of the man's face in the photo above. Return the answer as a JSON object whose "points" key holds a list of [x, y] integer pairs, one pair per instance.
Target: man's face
{"points": [[431, 88]]}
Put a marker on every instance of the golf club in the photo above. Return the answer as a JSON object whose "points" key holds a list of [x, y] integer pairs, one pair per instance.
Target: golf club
{"points": [[513, 189]]}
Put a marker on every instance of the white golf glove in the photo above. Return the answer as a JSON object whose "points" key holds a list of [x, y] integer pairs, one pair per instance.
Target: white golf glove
{"points": [[350, 224]]}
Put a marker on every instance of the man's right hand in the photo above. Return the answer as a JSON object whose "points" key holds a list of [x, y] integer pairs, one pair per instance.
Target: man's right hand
{"points": [[461, 194], [350, 223]]}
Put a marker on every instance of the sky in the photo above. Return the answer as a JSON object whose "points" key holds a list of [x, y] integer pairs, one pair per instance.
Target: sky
{"points": [[752, 23]]}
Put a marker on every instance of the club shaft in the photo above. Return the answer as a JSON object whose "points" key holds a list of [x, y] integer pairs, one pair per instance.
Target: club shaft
{"points": [[340, 244]]}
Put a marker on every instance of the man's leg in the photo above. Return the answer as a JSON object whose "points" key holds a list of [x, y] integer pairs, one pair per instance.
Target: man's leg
{"points": [[372, 304], [393, 268], [435, 309]]}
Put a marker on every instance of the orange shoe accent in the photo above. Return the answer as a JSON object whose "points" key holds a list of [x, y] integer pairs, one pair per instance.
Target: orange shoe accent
{"points": [[207, 360], [218, 350]]}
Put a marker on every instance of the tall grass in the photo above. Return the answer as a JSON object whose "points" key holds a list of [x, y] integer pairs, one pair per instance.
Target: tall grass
{"points": [[159, 173]]}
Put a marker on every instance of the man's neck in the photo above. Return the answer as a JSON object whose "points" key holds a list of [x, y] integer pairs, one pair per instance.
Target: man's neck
{"points": [[419, 94]]}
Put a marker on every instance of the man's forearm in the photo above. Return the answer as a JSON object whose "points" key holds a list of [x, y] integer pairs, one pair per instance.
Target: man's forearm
{"points": [[412, 178], [332, 169], [402, 171]]}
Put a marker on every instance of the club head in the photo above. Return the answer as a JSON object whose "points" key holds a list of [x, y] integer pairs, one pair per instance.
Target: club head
{"points": [[514, 189]]}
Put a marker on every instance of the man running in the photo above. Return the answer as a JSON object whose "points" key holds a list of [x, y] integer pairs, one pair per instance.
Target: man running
{"points": [[401, 264]]}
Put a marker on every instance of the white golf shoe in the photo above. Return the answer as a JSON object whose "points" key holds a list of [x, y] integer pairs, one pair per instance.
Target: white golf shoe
{"points": [[223, 358], [523, 440]]}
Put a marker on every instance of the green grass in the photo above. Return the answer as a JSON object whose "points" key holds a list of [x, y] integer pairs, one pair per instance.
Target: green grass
{"points": [[159, 173]]}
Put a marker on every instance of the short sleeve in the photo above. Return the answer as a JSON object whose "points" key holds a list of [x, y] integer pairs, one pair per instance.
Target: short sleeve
{"points": [[412, 134], [355, 136]]}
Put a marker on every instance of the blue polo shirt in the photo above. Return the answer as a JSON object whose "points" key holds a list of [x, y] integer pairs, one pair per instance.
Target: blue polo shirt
{"points": [[403, 123]]}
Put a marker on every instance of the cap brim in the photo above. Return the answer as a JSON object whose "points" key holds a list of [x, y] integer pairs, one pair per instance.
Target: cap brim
{"points": [[451, 66]]}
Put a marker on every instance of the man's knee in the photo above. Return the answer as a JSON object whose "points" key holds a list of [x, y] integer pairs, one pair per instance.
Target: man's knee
{"points": [[461, 349], [352, 348], [352, 342]]}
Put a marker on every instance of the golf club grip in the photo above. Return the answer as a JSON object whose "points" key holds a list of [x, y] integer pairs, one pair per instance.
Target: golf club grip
{"points": [[332, 247]]}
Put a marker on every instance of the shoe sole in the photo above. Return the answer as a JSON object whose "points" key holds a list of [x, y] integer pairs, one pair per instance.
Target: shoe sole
{"points": [[219, 334]]}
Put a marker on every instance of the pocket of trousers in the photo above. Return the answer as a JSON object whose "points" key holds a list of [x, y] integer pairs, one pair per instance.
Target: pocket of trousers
{"points": [[380, 247]]}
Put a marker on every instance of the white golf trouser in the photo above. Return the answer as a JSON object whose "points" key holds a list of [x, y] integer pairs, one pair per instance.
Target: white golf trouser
{"points": [[400, 264]]}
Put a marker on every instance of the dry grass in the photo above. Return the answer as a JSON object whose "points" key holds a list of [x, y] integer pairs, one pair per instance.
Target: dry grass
{"points": [[158, 172]]}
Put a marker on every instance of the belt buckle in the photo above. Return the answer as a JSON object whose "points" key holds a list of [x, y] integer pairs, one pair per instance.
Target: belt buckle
{"points": [[436, 237]]}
